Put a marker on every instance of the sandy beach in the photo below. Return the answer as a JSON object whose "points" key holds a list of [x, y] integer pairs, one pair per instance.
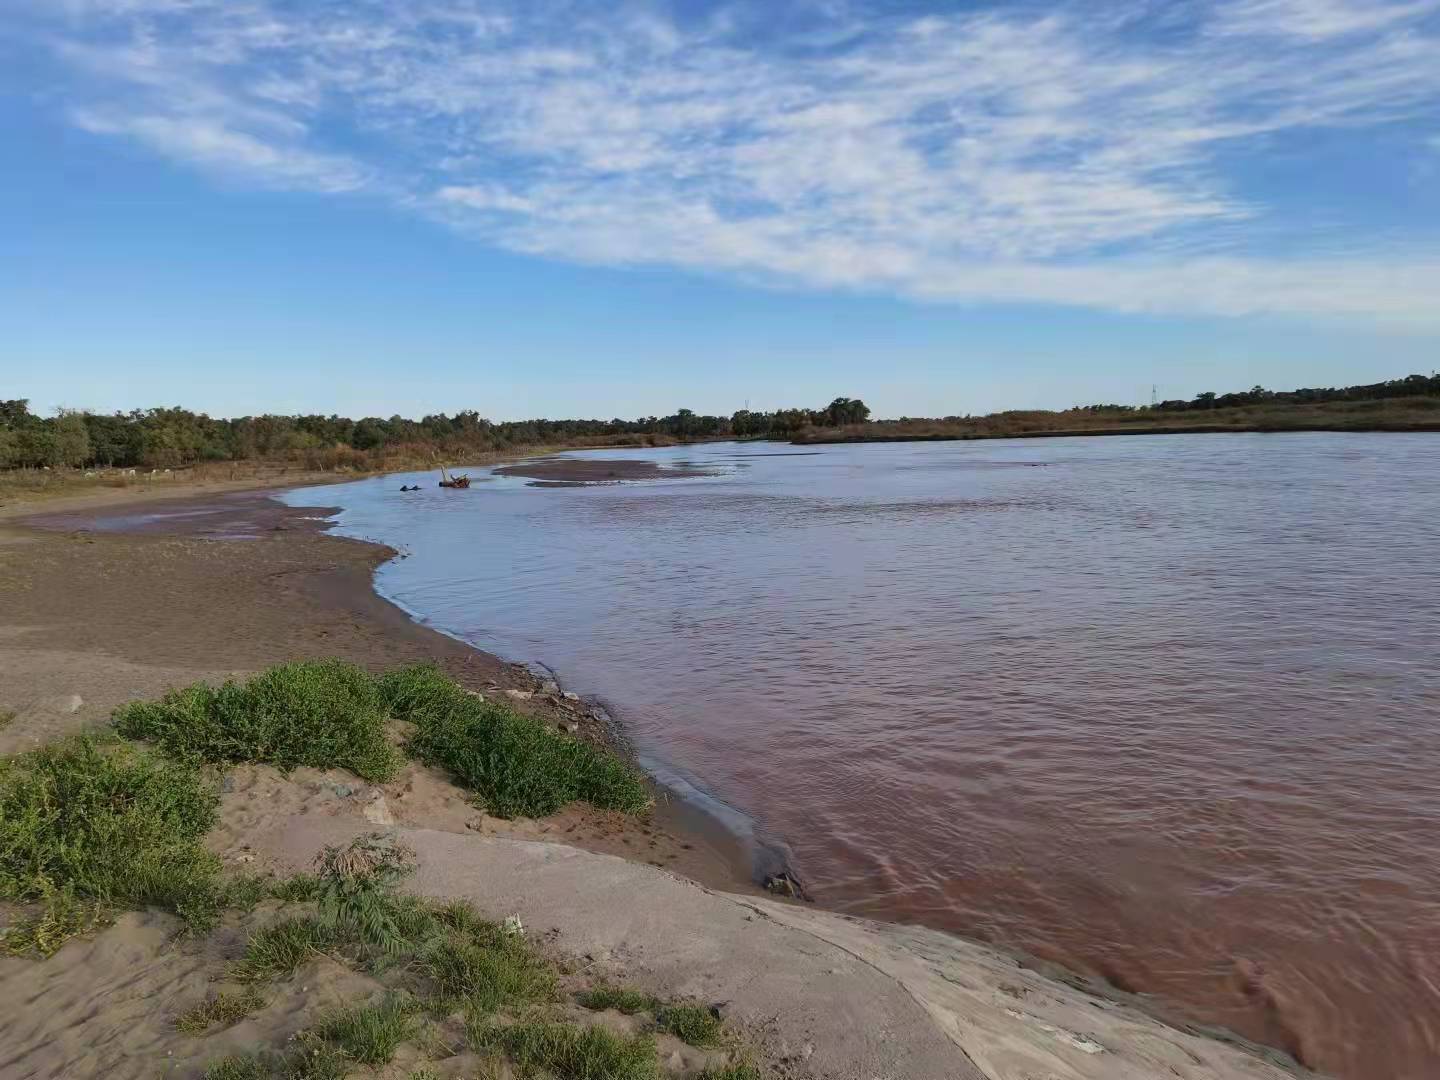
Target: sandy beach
{"points": [[112, 598]]}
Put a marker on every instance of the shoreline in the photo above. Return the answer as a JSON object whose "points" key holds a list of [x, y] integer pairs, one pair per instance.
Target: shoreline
{"points": [[1399, 428], [315, 592], [309, 584]]}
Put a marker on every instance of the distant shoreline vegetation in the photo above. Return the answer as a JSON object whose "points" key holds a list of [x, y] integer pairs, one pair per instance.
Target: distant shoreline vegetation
{"points": [[175, 437], [1408, 404]]}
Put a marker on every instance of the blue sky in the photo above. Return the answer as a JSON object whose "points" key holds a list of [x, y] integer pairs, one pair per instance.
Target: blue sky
{"points": [[566, 208]]}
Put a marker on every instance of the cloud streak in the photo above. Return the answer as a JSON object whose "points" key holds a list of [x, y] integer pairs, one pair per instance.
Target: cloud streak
{"points": [[1021, 155]]}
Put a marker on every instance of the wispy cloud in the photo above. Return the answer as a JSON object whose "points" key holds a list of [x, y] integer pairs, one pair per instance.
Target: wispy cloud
{"points": [[209, 144], [1317, 18], [1060, 155]]}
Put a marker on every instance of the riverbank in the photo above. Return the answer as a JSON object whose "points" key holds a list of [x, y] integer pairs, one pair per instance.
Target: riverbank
{"points": [[105, 607], [1410, 414]]}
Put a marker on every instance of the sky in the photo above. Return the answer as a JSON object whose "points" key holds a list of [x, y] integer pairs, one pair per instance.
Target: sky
{"points": [[619, 208]]}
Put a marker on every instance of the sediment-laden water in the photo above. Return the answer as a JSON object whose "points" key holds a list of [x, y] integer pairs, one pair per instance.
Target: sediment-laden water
{"points": [[1164, 709]]}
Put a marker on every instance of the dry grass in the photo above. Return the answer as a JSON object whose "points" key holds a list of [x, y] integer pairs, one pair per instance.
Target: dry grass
{"points": [[222, 1010]]}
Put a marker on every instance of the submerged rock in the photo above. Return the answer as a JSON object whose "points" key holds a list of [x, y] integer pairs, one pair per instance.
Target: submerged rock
{"points": [[786, 884]]}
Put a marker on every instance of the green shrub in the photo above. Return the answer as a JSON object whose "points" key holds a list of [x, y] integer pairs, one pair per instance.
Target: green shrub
{"points": [[355, 890], [85, 819], [62, 916], [323, 713], [518, 766]]}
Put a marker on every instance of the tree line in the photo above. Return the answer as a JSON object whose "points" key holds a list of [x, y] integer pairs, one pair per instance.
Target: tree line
{"points": [[173, 437]]}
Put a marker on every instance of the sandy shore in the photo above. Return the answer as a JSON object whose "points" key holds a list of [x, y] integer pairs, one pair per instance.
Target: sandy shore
{"points": [[113, 598], [120, 599]]}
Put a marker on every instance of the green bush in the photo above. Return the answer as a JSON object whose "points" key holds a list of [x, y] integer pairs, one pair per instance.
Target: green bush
{"points": [[518, 766], [323, 713], [82, 818]]}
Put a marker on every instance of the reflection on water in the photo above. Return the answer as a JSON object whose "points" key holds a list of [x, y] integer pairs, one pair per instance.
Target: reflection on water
{"points": [[1164, 709]]}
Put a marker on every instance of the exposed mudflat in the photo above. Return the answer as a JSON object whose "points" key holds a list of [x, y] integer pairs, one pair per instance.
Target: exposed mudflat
{"points": [[559, 471]]}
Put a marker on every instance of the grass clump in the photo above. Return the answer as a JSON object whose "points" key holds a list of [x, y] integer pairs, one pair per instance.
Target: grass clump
{"points": [[311, 1058], [740, 1070], [695, 1024], [323, 713], [296, 889], [236, 1067], [620, 999], [483, 968], [575, 1053], [223, 1009], [372, 1033], [518, 766], [277, 950], [83, 820]]}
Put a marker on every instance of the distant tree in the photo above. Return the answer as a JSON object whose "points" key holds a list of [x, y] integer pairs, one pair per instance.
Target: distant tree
{"points": [[36, 446], [14, 412], [72, 438]]}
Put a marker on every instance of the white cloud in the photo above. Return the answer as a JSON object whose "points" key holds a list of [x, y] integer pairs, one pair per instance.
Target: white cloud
{"points": [[1317, 18], [1057, 158], [213, 146]]}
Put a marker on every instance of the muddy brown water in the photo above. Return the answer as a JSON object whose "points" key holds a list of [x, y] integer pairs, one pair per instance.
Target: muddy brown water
{"points": [[1162, 709]]}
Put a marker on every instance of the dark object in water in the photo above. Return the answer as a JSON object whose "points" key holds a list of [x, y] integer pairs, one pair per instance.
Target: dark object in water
{"points": [[448, 481], [411, 487], [786, 884]]}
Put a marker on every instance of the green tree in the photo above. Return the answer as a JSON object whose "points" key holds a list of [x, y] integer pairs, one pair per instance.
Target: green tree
{"points": [[72, 438]]}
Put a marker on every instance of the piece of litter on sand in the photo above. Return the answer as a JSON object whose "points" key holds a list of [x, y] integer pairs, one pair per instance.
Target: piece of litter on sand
{"points": [[1079, 1042], [513, 925]]}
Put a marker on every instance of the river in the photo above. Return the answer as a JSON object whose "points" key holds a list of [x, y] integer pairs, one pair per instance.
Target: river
{"points": [[1164, 709]]}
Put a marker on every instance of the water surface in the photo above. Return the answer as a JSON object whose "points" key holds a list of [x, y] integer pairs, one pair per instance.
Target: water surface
{"points": [[1161, 708]]}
